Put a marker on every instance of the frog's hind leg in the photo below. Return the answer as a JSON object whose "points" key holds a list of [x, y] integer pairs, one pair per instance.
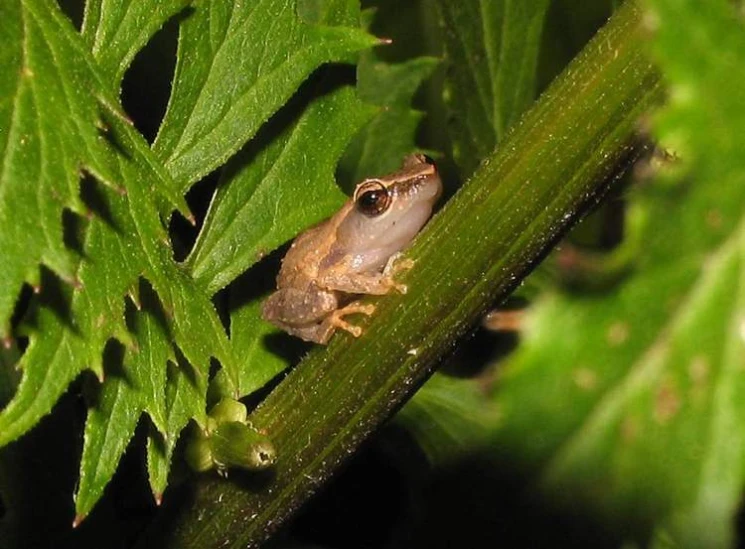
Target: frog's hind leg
{"points": [[293, 307], [336, 319]]}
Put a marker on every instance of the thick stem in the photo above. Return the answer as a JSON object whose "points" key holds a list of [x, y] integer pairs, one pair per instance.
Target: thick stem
{"points": [[545, 172]]}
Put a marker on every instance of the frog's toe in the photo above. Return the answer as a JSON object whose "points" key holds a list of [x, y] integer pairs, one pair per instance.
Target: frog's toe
{"points": [[396, 264], [365, 309], [338, 322], [355, 307], [403, 265], [336, 319], [400, 288]]}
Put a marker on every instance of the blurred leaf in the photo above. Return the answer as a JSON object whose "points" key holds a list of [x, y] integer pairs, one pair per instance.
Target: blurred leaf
{"points": [[238, 62], [381, 146], [450, 417], [492, 51], [567, 28], [632, 402]]}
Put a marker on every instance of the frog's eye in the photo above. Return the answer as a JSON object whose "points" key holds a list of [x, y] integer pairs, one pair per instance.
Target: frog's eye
{"points": [[372, 198]]}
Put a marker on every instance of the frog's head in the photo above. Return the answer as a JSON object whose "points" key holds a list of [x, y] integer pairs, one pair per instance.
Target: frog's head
{"points": [[389, 211]]}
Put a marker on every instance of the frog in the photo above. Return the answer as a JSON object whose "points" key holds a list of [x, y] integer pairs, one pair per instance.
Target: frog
{"points": [[356, 252]]}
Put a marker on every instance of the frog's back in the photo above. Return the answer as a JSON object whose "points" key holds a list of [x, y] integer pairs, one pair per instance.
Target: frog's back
{"points": [[300, 264]]}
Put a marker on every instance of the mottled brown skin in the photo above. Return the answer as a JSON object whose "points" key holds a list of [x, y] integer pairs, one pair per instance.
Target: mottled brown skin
{"points": [[352, 253]]}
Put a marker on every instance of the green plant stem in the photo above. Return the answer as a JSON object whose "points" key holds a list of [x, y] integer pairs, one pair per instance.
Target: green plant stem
{"points": [[544, 174]]}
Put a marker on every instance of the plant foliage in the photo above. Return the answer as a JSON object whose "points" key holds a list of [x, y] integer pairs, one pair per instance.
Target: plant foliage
{"points": [[621, 403], [61, 121], [638, 390]]}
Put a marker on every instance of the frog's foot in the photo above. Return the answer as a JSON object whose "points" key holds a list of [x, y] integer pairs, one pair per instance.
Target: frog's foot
{"points": [[394, 266], [336, 318]]}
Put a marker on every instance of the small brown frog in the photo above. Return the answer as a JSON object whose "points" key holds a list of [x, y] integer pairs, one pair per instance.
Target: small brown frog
{"points": [[354, 252]]}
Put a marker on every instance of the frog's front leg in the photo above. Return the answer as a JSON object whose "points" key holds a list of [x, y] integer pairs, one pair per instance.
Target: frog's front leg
{"points": [[341, 279]]}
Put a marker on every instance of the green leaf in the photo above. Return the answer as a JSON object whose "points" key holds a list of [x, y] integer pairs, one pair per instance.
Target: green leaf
{"points": [[184, 400], [28, 108], [79, 127], [130, 246], [635, 405], [250, 337], [383, 143], [116, 31], [138, 386], [49, 126], [271, 192], [492, 52], [58, 108], [238, 62], [329, 12]]}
